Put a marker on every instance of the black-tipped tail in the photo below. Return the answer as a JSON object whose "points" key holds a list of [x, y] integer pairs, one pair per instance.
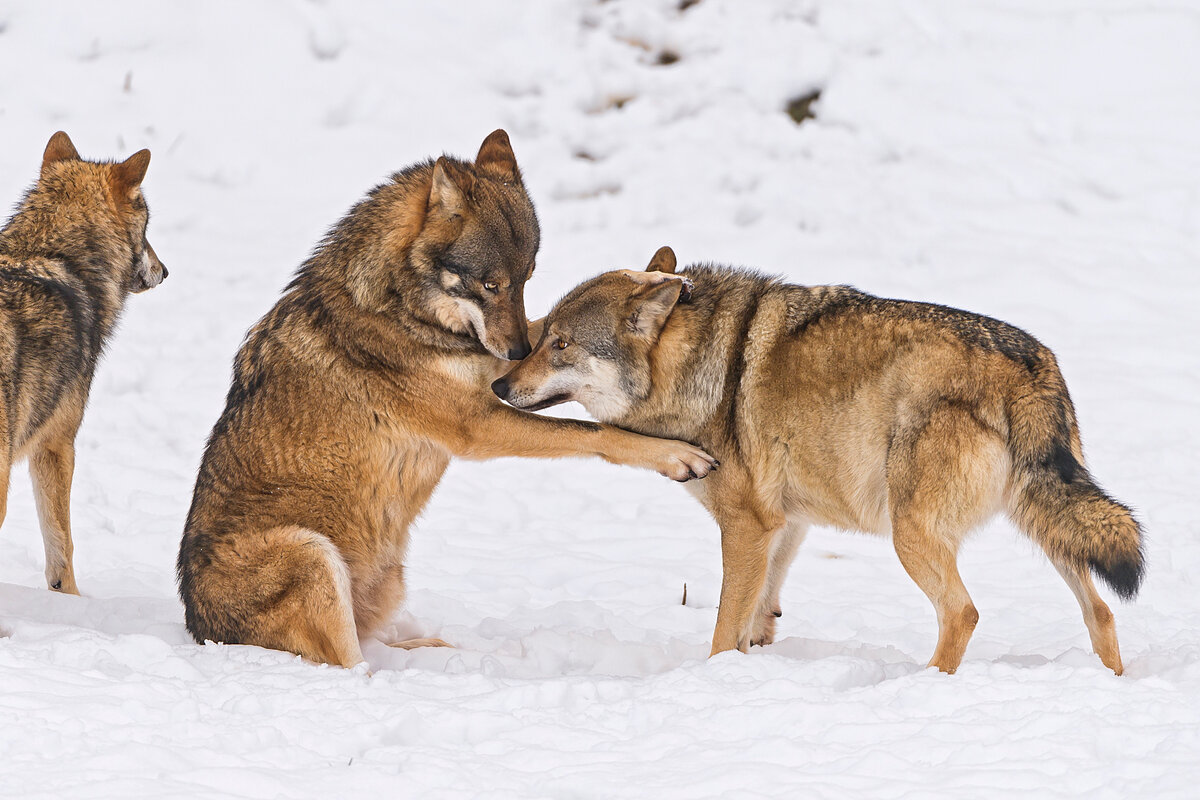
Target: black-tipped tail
{"points": [[1124, 576], [1075, 522]]}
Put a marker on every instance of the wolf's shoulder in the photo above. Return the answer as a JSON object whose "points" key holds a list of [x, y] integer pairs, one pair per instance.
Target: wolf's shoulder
{"points": [[40, 282]]}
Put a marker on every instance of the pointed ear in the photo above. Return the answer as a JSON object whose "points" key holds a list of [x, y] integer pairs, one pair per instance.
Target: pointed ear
{"points": [[129, 174], [449, 188], [496, 157], [663, 261], [59, 148], [651, 306]]}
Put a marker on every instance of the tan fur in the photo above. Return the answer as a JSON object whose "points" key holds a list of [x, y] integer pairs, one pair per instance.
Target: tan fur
{"points": [[351, 396], [829, 406], [70, 255]]}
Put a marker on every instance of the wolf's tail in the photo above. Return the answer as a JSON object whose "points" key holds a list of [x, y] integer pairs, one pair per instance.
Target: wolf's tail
{"points": [[1054, 499]]}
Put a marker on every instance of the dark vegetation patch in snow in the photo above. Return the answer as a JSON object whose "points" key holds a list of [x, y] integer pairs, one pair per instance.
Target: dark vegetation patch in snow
{"points": [[800, 108]]}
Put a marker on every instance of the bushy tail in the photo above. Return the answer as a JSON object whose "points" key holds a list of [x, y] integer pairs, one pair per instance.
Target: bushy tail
{"points": [[1056, 502]]}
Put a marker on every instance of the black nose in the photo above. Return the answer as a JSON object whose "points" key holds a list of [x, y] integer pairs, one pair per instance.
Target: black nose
{"points": [[165, 273], [501, 388], [519, 352]]}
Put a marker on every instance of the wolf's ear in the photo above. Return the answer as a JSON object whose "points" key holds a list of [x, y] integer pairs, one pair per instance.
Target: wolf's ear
{"points": [[496, 157], [663, 261], [59, 148], [129, 174], [651, 306], [449, 188]]}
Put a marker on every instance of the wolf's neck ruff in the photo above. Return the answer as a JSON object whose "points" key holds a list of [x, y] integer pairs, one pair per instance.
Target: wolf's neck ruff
{"points": [[681, 361], [78, 254], [375, 261]]}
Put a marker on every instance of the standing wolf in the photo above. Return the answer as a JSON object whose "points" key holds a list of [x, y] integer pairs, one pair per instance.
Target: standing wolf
{"points": [[349, 398], [830, 406], [72, 252]]}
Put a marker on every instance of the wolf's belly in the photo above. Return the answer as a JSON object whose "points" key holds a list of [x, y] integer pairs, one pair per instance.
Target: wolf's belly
{"points": [[839, 478]]}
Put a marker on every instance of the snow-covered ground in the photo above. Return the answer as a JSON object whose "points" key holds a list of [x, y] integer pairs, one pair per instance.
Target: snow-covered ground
{"points": [[1035, 160]]}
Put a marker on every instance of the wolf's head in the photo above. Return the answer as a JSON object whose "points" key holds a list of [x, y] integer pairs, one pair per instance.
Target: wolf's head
{"points": [[596, 343], [476, 248], [98, 205]]}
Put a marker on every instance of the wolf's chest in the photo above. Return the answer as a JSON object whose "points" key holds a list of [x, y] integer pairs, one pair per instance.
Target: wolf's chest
{"points": [[413, 470]]}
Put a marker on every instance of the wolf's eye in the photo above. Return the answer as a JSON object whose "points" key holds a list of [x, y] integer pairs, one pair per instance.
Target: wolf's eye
{"points": [[491, 287], [560, 345]]}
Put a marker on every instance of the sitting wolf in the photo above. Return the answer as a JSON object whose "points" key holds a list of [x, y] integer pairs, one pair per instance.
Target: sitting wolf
{"points": [[349, 398]]}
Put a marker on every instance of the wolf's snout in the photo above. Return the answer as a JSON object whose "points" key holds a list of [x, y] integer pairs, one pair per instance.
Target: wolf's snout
{"points": [[501, 388], [165, 272], [517, 353]]}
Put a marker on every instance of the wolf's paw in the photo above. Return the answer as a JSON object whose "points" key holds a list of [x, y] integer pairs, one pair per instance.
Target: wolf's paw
{"points": [[62, 583], [681, 461], [764, 628], [413, 644]]}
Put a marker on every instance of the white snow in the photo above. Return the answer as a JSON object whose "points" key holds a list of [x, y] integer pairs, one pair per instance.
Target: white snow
{"points": [[1035, 160]]}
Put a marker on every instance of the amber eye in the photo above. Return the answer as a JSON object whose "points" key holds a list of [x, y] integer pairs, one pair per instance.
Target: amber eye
{"points": [[491, 287], [560, 345]]}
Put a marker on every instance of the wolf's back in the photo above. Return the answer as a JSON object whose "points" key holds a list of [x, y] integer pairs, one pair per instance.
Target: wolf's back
{"points": [[1055, 500]]}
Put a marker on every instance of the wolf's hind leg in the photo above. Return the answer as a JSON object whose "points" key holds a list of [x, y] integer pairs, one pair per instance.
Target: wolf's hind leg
{"points": [[316, 619], [783, 552], [933, 566], [944, 478], [283, 588], [52, 467], [1096, 615], [6, 456]]}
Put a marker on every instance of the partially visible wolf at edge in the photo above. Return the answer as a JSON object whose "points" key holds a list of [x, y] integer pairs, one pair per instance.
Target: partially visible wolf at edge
{"points": [[72, 252]]}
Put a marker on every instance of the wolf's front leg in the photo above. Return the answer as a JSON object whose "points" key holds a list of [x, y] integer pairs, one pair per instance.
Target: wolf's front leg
{"points": [[5, 469], [499, 430], [52, 467], [748, 533], [783, 550]]}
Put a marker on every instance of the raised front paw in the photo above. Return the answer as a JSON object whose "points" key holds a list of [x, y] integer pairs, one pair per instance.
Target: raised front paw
{"points": [[681, 461]]}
